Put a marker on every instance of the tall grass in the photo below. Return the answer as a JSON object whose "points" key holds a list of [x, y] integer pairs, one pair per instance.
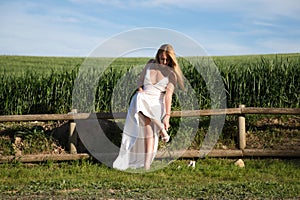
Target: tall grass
{"points": [[262, 82], [45, 84], [36, 93]]}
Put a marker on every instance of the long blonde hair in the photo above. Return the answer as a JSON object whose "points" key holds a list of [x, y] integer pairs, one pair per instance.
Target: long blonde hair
{"points": [[173, 62]]}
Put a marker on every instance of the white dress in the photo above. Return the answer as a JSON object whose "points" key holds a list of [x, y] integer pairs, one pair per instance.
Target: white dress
{"points": [[151, 103]]}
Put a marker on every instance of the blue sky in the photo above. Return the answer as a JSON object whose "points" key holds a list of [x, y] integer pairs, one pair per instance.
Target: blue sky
{"points": [[77, 27]]}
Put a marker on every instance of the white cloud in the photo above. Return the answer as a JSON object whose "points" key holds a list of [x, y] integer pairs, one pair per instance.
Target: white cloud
{"points": [[279, 8], [224, 48], [223, 43], [280, 45], [112, 3], [258, 8], [75, 28], [261, 12], [265, 23], [56, 31], [134, 42]]}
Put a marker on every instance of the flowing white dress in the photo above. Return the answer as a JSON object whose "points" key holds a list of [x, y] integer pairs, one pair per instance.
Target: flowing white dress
{"points": [[150, 103]]}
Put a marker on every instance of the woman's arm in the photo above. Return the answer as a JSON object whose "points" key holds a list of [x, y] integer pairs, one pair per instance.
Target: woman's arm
{"points": [[168, 102], [141, 80], [168, 99]]}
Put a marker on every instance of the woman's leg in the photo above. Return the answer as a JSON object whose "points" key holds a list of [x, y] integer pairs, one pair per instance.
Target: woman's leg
{"points": [[149, 142], [149, 138]]}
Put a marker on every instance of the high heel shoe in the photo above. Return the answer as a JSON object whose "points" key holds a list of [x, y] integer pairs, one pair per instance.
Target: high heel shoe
{"points": [[165, 136]]}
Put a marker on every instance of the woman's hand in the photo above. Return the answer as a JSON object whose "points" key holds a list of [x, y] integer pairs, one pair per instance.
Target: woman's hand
{"points": [[140, 89], [166, 122]]}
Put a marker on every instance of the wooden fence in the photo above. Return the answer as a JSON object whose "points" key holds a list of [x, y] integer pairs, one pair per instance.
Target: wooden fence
{"points": [[241, 112]]}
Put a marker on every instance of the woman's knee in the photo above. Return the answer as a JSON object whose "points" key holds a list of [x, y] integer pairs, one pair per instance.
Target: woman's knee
{"points": [[146, 120]]}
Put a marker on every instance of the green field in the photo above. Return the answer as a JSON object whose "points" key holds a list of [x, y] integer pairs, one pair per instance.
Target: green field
{"points": [[45, 84]]}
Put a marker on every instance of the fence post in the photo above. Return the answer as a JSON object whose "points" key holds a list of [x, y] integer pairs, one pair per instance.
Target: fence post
{"points": [[242, 129], [72, 135]]}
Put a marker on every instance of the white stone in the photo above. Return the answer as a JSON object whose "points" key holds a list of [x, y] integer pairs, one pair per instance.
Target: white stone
{"points": [[192, 164], [239, 163]]}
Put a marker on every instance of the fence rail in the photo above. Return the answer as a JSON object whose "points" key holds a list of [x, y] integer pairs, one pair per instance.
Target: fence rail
{"points": [[120, 115], [241, 111]]}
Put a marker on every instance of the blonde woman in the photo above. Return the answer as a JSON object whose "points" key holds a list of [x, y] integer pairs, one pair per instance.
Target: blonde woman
{"points": [[149, 112]]}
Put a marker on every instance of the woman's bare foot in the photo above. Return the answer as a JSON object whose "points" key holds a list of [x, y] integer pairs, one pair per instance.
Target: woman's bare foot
{"points": [[147, 166]]}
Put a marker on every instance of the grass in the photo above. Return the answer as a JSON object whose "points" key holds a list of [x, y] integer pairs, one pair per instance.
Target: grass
{"points": [[20, 65], [263, 132], [210, 179], [32, 138], [279, 132], [33, 85]]}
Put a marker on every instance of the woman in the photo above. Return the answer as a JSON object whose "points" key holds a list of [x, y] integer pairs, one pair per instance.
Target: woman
{"points": [[149, 112]]}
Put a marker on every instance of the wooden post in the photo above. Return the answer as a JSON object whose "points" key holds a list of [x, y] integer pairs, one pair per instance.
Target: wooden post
{"points": [[72, 135], [242, 129]]}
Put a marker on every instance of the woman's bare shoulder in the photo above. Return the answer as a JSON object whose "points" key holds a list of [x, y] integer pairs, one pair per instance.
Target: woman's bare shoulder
{"points": [[172, 73]]}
